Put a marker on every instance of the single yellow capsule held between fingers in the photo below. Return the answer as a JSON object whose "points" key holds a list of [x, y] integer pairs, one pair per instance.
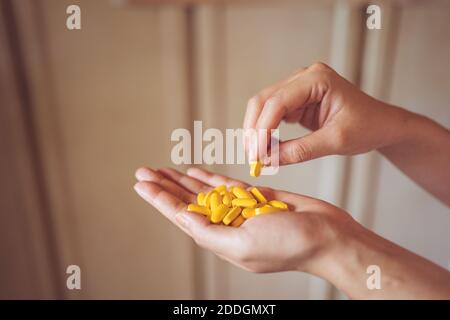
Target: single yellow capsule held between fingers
{"points": [[258, 195], [238, 221], [231, 215], [266, 209], [219, 213], [255, 168], [201, 198], [198, 209], [246, 203], [248, 213], [221, 188], [278, 204], [241, 193], [215, 200]]}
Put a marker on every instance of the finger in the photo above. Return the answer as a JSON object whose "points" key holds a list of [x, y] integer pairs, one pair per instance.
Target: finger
{"points": [[254, 108], [165, 202], [294, 116], [314, 145], [220, 239], [256, 104], [187, 182], [147, 174], [293, 200], [214, 179], [303, 91]]}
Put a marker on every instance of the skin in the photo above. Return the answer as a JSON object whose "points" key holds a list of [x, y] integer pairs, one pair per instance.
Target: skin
{"points": [[315, 236], [346, 121]]}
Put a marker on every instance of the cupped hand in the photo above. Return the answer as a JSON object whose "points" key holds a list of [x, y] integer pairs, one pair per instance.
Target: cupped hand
{"points": [[292, 240], [343, 119]]}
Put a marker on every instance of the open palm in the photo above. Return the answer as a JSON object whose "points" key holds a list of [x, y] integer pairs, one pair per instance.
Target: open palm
{"points": [[287, 240]]}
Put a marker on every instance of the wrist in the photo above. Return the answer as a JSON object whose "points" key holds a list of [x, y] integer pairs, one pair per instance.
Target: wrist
{"points": [[347, 263], [402, 128], [340, 242], [344, 260]]}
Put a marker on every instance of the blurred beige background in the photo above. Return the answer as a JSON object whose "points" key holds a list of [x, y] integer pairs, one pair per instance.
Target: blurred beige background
{"points": [[81, 110]]}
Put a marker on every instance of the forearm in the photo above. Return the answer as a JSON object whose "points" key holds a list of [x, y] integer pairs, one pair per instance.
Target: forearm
{"points": [[403, 274], [423, 154]]}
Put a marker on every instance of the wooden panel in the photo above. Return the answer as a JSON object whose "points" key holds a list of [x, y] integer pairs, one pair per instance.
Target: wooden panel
{"points": [[27, 256], [347, 41], [375, 71], [263, 43], [421, 82], [115, 97], [209, 102], [106, 98]]}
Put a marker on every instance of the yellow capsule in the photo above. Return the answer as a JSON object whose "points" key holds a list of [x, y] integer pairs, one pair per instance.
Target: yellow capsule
{"points": [[221, 188], [206, 201], [198, 209], [241, 193], [237, 222], [231, 215], [215, 200], [246, 203], [258, 195], [278, 204], [219, 213], [201, 199], [248, 213], [226, 199], [255, 168], [266, 209]]}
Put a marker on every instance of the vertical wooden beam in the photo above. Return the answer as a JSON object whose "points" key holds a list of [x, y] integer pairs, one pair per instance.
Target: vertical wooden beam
{"points": [[33, 37], [345, 59], [209, 77], [177, 83], [36, 275], [376, 71]]}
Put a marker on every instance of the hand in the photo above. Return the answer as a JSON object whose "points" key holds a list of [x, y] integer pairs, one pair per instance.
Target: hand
{"points": [[314, 237], [344, 120], [294, 240]]}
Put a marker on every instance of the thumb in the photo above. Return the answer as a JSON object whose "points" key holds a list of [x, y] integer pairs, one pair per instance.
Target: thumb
{"points": [[314, 145], [217, 238]]}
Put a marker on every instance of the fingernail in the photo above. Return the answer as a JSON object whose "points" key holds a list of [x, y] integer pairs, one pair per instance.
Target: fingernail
{"points": [[143, 174], [266, 161], [182, 220]]}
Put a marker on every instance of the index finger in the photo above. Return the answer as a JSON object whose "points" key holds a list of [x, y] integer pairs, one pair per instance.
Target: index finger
{"points": [[214, 179], [256, 103], [295, 95], [220, 239]]}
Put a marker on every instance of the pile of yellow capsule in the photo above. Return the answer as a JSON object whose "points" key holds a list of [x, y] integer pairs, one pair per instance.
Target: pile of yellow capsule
{"points": [[233, 205]]}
